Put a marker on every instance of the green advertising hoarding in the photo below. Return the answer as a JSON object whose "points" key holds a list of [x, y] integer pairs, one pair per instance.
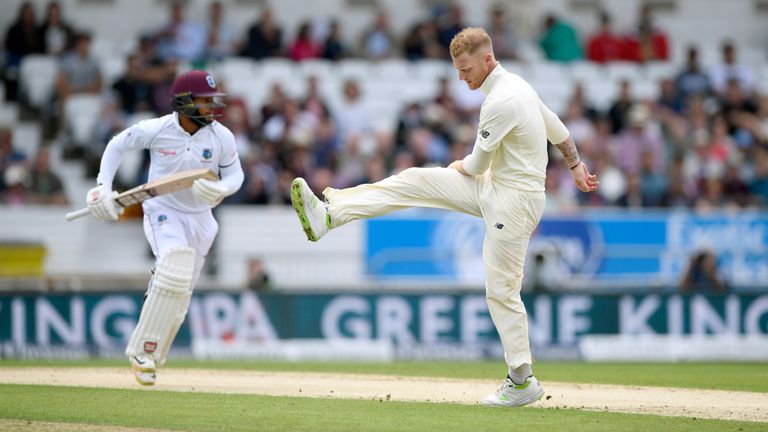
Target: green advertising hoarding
{"points": [[100, 324]]}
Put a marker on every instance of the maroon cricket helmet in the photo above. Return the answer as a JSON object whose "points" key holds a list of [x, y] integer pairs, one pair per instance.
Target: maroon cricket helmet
{"points": [[192, 84]]}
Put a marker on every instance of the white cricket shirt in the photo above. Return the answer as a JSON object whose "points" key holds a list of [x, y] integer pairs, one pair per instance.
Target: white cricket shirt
{"points": [[514, 126], [172, 149]]}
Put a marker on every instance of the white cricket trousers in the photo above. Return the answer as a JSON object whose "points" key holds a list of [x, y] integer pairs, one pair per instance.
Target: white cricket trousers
{"points": [[510, 217], [165, 228]]}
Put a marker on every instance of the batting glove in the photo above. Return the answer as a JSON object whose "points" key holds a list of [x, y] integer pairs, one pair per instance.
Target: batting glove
{"points": [[210, 192], [102, 204]]}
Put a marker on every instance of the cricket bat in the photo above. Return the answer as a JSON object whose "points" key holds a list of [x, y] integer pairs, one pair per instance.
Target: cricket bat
{"points": [[168, 184]]}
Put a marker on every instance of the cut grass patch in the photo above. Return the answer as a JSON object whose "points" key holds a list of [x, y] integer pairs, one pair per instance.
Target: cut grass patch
{"points": [[218, 412]]}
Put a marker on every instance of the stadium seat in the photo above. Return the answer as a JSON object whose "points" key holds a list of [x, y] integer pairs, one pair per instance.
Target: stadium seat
{"points": [[81, 114], [357, 69], [9, 114], [618, 71], [322, 69], [27, 138], [656, 71], [393, 70], [233, 69], [433, 69], [585, 72], [546, 72], [38, 79], [277, 70], [515, 67], [600, 93], [253, 92], [112, 68], [102, 48]]}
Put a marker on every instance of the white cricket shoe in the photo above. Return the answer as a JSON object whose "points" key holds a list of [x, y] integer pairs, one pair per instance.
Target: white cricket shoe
{"points": [[313, 213], [144, 369], [513, 395]]}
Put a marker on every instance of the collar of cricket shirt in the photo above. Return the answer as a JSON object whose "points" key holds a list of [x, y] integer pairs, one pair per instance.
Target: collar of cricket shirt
{"points": [[487, 85]]}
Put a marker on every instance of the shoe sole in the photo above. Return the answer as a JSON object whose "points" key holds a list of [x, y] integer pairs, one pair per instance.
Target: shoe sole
{"points": [[143, 382], [526, 401], [298, 204], [138, 370]]}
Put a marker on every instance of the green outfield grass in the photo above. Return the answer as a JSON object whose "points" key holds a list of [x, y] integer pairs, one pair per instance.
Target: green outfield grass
{"points": [[718, 376], [221, 412]]}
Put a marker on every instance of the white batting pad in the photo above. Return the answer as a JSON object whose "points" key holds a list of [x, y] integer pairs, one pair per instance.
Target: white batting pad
{"points": [[166, 305]]}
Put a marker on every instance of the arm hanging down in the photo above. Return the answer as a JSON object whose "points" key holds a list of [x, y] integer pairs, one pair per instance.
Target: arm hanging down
{"points": [[559, 136]]}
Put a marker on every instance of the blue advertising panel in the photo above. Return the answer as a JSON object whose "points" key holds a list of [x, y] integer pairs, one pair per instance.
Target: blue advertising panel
{"points": [[590, 249]]}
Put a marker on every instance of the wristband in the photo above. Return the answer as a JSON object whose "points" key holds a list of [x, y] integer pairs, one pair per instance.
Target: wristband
{"points": [[577, 164]]}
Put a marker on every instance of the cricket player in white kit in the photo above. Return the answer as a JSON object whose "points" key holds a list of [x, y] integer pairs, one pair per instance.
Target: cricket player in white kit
{"points": [[179, 227], [502, 181]]}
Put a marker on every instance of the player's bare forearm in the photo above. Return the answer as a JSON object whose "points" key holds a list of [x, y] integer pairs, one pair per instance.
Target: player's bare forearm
{"points": [[568, 149]]}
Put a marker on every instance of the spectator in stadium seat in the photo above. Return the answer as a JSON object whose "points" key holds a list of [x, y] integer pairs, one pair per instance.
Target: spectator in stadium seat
{"points": [[313, 102], [579, 98], [617, 113], [291, 126], [45, 186], [422, 41], [730, 69], [264, 38], [559, 40], [637, 139], [352, 117], [21, 39], [55, 33], [648, 43], [79, 72], [735, 189], [378, 41], [582, 128], [669, 98], [258, 278], [678, 194], [691, 80], [711, 196], [220, 36], [653, 181], [411, 118], [450, 23], [702, 276], [181, 39], [333, 47], [132, 89], [504, 40], [303, 47], [738, 110], [275, 102], [16, 179], [8, 155], [633, 195], [605, 45]]}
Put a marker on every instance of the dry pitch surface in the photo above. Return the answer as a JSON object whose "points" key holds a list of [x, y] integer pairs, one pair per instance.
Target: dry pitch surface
{"points": [[710, 404]]}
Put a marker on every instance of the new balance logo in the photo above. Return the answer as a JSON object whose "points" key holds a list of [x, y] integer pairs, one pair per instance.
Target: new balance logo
{"points": [[484, 133]]}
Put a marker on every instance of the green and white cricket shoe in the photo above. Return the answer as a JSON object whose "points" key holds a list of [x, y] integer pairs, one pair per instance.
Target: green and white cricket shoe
{"points": [[513, 395], [313, 213], [144, 369]]}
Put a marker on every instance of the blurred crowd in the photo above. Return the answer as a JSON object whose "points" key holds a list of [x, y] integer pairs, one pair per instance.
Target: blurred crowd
{"points": [[701, 144]]}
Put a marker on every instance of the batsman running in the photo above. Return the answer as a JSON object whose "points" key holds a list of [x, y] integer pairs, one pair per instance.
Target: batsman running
{"points": [[179, 227], [501, 181]]}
